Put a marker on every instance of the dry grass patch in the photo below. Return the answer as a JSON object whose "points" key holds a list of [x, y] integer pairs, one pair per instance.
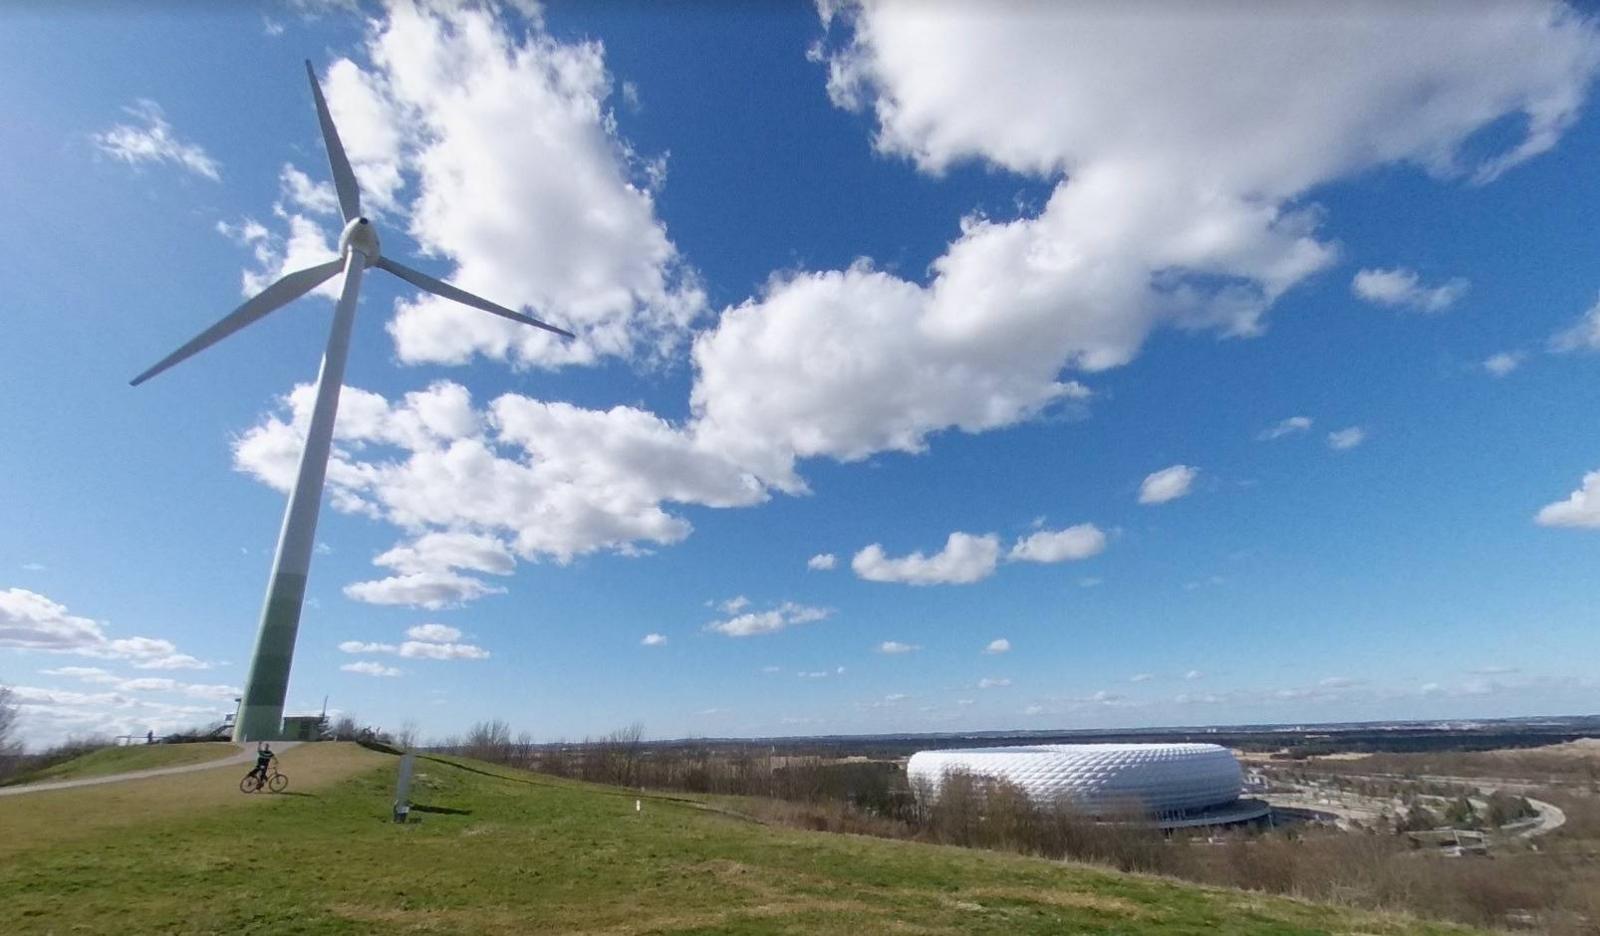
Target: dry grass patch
{"points": [[1077, 900]]}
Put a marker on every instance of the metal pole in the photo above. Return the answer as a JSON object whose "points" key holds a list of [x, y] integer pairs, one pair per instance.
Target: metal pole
{"points": [[402, 787], [261, 711]]}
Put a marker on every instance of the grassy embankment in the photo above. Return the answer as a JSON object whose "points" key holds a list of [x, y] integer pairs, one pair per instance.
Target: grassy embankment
{"points": [[496, 851], [113, 760]]}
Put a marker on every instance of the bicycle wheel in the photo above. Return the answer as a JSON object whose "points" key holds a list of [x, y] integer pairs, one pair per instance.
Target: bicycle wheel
{"points": [[249, 784], [278, 783]]}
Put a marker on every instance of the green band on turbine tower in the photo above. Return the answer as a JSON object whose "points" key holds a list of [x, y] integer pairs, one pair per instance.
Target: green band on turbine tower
{"points": [[261, 710]]}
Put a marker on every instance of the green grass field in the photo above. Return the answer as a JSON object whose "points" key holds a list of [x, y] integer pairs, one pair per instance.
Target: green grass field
{"points": [[113, 760], [494, 851]]}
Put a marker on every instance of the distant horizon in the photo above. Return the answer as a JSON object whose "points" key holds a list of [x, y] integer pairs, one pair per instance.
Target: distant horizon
{"points": [[1263, 727]]}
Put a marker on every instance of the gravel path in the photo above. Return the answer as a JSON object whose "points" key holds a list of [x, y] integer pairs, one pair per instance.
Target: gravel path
{"points": [[246, 755]]}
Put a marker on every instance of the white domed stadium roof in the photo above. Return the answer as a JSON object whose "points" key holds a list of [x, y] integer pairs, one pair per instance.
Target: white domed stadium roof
{"points": [[1098, 779]]}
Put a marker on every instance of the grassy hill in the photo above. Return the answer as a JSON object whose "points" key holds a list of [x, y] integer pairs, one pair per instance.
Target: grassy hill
{"points": [[494, 851], [113, 760]]}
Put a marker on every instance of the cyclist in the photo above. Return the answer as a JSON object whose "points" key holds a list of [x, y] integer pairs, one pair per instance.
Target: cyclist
{"points": [[264, 759]]}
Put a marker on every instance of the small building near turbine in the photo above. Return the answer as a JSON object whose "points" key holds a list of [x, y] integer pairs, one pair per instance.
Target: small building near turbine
{"points": [[304, 727], [1176, 785]]}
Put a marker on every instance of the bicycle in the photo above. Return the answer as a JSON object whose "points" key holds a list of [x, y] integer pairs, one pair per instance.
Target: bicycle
{"points": [[275, 781]]}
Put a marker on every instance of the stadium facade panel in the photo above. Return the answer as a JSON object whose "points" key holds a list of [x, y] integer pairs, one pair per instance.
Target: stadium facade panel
{"points": [[1097, 779]]}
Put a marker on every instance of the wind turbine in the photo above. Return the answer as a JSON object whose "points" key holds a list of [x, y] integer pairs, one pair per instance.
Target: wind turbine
{"points": [[261, 708]]}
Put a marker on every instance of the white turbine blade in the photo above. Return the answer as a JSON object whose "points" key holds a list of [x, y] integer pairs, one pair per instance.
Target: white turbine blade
{"points": [[344, 178], [279, 294], [441, 288]]}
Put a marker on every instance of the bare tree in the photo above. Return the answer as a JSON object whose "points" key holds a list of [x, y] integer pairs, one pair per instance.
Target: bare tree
{"points": [[622, 751], [8, 716], [490, 741], [10, 747]]}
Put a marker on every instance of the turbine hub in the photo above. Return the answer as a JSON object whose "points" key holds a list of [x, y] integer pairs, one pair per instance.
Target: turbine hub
{"points": [[360, 235]]}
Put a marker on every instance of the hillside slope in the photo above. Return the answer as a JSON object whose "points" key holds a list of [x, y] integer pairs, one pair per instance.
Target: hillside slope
{"points": [[113, 760], [493, 851]]}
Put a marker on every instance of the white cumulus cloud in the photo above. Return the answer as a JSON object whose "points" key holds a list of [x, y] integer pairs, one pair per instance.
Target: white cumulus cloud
{"points": [[498, 145], [370, 668], [1403, 288], [1074, 542], [434, 633], [895, 647], [780, 618], [822, 562], [431, 590], [1001, 645], [429, 571], [1168, 484], [433, 552], [428, 650], [1580, 509], [1309, 94], [305, 244], [1584, 335], [359, 646], [518, 478], [218, 691], [654, 640], [49, 715], [31, 621], [1180, 148], [152, 140], [301, 192], [1499, 365], [1289, 426], [1349, 438], [965, 559], [170, 661], [148, 684], [424, 642], [89, 674], [144, 684]]}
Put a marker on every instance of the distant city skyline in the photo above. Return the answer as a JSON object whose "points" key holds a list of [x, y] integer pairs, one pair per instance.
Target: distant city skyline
{"points": [[975, 370]]}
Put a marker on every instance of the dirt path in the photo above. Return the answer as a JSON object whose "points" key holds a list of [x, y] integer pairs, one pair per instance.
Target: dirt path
{"points": [[1347, 806], [1551, 818], [244, 756]]}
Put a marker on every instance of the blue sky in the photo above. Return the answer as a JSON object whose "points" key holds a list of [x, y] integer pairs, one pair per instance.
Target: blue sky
{"points": [[843, 277]]}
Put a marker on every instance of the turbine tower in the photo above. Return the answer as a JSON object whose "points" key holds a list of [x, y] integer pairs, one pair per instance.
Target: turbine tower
{"points": [[261, 709]]}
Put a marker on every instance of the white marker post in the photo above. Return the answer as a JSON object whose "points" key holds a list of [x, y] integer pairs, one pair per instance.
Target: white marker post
{"points": [[402, 788]]}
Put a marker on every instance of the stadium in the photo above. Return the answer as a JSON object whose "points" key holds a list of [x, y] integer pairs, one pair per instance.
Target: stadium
{"points": [[1173, 785]]}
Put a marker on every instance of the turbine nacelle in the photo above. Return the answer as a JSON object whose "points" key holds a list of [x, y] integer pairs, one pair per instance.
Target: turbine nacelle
{"points": [[360, 235]]}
